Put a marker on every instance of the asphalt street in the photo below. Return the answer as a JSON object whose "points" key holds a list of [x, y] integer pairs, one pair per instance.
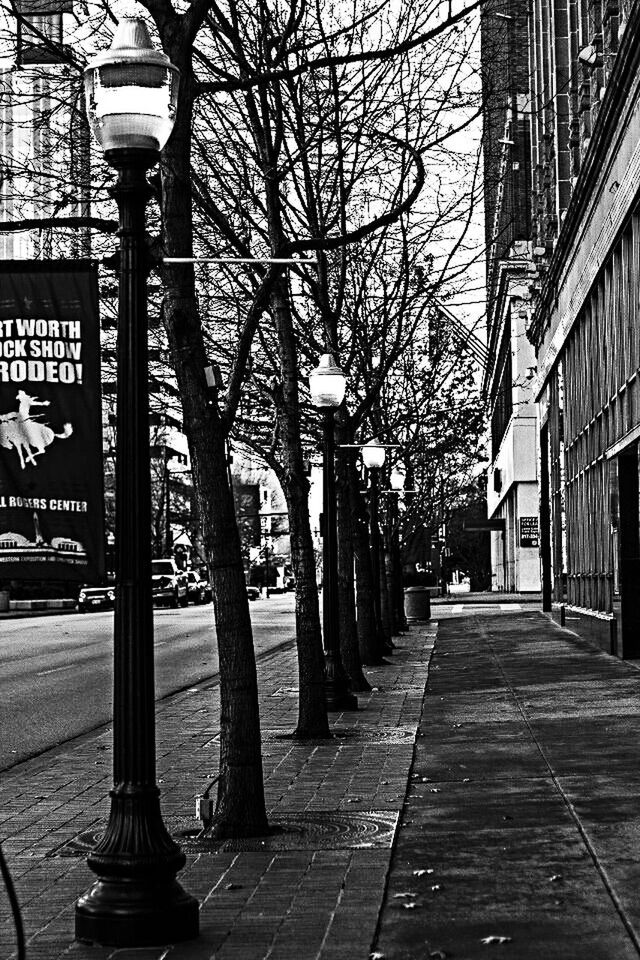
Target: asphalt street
{"points": [[56, 671]]}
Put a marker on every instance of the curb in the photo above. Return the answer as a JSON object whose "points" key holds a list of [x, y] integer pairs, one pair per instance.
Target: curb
{"points": [[29, 605]]}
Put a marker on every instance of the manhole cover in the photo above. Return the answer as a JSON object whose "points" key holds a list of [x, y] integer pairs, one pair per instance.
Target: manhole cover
{"points": [[316, 830]]}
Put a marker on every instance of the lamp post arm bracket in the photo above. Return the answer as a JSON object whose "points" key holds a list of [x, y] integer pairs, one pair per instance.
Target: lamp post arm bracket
{"points": [[238, 260]]}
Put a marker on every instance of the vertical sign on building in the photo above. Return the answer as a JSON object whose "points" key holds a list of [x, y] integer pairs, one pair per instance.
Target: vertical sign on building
{"points": [[51, 471], [529, 535]]}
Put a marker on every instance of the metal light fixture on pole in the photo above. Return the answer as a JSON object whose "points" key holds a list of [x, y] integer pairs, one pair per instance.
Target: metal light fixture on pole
{"points": [[327, 384], [373, 456], [131, 93]]}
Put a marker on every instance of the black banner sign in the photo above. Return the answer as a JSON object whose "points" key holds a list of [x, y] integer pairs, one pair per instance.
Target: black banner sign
{"points": [[51, 471]]}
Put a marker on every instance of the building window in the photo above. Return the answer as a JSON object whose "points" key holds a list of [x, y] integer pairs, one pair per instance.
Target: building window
{"points": [[40, 38]]}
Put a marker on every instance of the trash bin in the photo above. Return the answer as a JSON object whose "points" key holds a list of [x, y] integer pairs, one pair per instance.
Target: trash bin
{"points": [[417, 603]]}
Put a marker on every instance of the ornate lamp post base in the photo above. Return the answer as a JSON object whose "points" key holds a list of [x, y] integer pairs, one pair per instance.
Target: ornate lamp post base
{"points": [[337, 702], [136, 900], [122, 913], [336, 689]]}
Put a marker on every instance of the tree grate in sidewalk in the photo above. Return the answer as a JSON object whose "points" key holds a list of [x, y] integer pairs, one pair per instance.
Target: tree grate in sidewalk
{"points": [[361, 733], [291, 830]]}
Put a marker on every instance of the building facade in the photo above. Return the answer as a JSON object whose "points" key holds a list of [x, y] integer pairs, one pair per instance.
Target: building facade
{"points": [[581, 310], [512, 489], [44, 139], [585, 330]]}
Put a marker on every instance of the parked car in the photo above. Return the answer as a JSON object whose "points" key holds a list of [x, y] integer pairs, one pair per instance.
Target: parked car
{"points": [[253, 593], [95, 598], [198, 590], [169, 583]]}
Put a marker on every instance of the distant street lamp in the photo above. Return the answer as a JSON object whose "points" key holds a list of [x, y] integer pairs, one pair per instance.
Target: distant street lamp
{"points": [[131, 93], [396, 480], [168, 536], [327, 384], [170, 474], [267, 572], [373, 456]]}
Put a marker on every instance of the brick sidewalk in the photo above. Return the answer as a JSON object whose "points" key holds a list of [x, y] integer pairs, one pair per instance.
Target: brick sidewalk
{"points": [[312, 891]]}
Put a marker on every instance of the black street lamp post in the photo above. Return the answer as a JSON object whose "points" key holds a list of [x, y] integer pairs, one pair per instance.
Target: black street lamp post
{"points": [[327, 383], [396, 480], [373, 456], [136, 900], [168, 537]]}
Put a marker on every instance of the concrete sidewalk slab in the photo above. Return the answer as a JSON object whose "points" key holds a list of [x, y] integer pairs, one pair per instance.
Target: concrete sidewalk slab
{"points": [[521, 830]]}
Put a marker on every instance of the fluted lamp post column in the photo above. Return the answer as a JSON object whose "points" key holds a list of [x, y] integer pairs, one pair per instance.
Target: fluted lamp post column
{"points": [[327, 384], [131, 93], [373, 456]]}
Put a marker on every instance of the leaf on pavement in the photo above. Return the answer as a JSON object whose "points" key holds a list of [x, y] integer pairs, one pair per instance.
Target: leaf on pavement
{"points": [[489, 941]]}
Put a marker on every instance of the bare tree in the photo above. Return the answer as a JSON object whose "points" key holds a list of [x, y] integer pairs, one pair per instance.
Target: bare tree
{"points": [[299, 77]]}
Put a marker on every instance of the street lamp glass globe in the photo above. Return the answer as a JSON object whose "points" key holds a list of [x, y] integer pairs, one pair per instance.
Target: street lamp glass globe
{"points": [[373, 455], [396, 480], [327, 383], [131, 91]]}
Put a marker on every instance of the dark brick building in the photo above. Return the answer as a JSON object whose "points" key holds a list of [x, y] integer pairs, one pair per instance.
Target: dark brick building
{"points": [[582, 307]]}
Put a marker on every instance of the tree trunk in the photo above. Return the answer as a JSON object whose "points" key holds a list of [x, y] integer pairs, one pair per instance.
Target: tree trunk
{"points": [[240, 807], [312, 709], [349, 647]]}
